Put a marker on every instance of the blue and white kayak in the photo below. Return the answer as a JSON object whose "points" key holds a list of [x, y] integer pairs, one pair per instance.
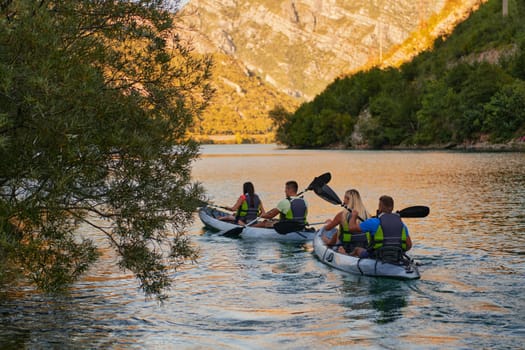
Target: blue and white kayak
{"points": [[358, 266], [210, 218]]}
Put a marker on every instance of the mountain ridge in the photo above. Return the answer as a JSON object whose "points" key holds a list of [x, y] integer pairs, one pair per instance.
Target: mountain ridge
{"points": [[299, 47], [466, 90]]}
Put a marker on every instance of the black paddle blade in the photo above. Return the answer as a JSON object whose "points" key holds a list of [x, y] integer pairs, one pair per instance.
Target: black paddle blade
{"points": [[417, 211], [199, 203], [319, 181], [284, 227], [234, 232], [326, 193]]}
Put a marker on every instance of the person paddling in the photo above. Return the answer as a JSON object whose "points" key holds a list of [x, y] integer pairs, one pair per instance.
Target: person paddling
{"points": [[291, 208], [346, 239], [386, 229], [248, 207]]}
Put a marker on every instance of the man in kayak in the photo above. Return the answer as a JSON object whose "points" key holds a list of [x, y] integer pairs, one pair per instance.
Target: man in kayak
{"points": [[291, 208], [386, 229]]}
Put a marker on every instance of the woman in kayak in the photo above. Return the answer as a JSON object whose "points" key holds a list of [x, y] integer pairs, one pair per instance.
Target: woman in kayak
{"points": [[346, 240], [248, 207]]}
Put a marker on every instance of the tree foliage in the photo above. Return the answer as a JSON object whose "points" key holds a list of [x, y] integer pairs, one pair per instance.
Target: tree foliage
{"points": [[95, 100], [505, 112], [461, 90]]}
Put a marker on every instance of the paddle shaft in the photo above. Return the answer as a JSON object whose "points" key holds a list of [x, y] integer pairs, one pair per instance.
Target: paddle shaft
{"points": [[220, 206], [350, 210], [253, 221], [206, 204]]}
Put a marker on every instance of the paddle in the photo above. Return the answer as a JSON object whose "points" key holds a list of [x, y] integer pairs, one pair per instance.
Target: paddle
{"points": [[219, 206], [202, 203], [326, 193], [417, 211], [317, 182], [236, 231], [284, 227]]}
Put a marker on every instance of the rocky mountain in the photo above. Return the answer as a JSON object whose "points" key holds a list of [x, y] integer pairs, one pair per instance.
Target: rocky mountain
{"points": [[298, 47]]}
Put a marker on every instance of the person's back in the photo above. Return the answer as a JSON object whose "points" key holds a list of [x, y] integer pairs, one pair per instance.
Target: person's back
{"points": [[247, 207], [351, 240], [346, 239], [297, 210], [391, 232], [290, 208], [250, 207], [386, 230]]}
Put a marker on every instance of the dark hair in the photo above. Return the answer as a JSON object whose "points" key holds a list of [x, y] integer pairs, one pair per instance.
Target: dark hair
{"points": [[388, 202], [293, 185], [247, 187]]}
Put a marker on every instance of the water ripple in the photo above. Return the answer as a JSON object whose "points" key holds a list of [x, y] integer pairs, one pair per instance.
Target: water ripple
{"points": [[260, 295]]}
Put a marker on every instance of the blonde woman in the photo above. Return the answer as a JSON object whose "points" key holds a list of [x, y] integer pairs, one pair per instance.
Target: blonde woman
{"points": [[346, 240]]}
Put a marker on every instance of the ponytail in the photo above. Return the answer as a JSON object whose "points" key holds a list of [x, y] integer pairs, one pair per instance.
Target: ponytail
{"points": [[249, 189]]}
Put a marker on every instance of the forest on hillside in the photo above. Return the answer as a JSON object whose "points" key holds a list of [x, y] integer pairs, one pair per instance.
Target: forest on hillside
{"points": [[469, 87]]}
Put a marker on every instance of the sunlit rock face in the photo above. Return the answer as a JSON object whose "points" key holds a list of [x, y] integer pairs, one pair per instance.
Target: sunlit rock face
{"points": [[300, 46]]}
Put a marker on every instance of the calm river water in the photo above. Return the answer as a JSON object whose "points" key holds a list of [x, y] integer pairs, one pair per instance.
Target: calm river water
{"points": [[261, 295]]}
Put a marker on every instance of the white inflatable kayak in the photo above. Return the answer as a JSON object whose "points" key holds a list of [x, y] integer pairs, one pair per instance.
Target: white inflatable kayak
{"points": [[210, 217], [354, 265]]}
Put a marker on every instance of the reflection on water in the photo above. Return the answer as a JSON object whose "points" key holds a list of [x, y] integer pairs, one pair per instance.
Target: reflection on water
{"points": [[258, 295]]}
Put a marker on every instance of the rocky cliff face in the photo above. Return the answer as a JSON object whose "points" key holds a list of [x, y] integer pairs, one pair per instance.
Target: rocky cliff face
{"points": [[300, 46], [271, 52]]}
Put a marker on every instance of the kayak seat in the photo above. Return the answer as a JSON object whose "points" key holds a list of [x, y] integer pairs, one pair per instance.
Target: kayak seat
{"points": [[390, 254]]}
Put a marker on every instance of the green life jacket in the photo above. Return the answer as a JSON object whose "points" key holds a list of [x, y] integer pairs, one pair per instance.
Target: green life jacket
{"points": [[391, 232], [351, 240], [297, 212], [247, 212]]}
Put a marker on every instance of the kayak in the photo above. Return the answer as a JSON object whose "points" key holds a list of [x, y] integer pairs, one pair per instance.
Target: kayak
{"points": [[210, 218], [358, 266]]}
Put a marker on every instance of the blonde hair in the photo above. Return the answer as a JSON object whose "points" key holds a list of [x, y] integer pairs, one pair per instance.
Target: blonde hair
{"points": [[355, 203]]}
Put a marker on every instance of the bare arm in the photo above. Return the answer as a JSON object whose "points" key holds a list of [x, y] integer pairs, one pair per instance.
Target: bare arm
{"points": [[262, 209], [270, 214], [409, 243], [238, 204], [330, 241], [330, 224], [353, 226]]}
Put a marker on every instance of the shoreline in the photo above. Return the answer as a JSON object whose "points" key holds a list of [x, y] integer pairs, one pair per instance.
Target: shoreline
{"points": [[512, 146], [516, 145]]}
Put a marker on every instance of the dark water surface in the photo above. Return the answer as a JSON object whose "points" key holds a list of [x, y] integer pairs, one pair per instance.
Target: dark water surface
{"points": [[259, 295]]}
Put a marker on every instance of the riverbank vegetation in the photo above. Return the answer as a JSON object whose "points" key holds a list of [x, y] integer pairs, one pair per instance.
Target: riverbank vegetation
{"points": [[469, 88], [95, 104]]}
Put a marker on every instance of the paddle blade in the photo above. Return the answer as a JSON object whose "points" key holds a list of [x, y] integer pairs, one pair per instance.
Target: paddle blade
{"points": [[234, 232], [199, 203], [319, 181], [326, 193], [284, 227], [417, 211]]}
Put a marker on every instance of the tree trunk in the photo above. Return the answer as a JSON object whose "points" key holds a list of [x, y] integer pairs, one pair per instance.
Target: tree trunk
{"points": [[505, 8]]}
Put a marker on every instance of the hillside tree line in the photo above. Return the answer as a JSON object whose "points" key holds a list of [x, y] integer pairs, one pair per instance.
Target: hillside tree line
{"points": [[469, 87]]}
